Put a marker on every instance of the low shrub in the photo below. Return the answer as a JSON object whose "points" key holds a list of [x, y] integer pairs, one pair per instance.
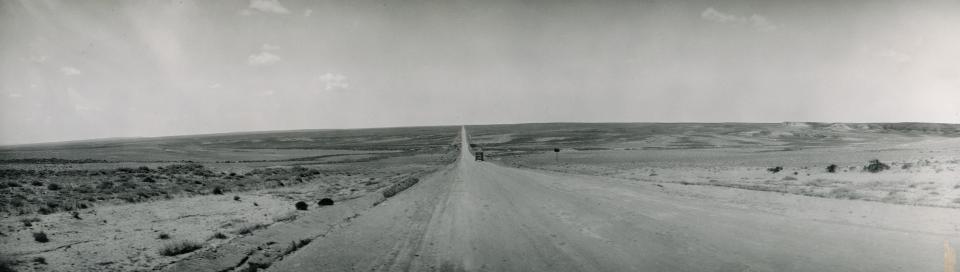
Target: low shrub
{"points": [[179, 247], [41, 237], [301, 205], [832, 168], [249, 228], [325, 202], [40, 260], [775, 169], [28, 222], [876, 166], [53, 187], [218, 190], [163, 236], [219, 235], [236, 198]]}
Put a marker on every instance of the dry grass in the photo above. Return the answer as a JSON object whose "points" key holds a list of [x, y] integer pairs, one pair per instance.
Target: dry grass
{"points": [[399, 187], [295, 245], [179, 247], [218, 235], [285, 217], [28, 222], [250, 228]]}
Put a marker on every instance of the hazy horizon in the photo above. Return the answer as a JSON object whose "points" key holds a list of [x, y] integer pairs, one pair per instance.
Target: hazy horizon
{"points": [[79, 70], [436, 125]]}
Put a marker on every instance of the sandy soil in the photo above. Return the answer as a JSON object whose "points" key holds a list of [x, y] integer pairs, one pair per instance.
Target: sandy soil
{"points": [[922, 173], [126, 237], [481, 216]]}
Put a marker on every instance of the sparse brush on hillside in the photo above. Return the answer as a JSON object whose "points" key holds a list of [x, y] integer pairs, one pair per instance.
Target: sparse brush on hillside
{"points": [[876, 166], [775, 169], [832, 168]]}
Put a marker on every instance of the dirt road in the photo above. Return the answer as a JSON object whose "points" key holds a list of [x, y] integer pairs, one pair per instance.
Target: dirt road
{"points": [[482, 216]]}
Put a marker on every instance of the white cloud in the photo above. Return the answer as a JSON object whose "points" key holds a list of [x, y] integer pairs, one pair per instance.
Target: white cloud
{"points": [[262, 58], [69, 71], [245, 12], [15, 95], [307, 13], [267, 93], [755, 21], [270, 6], [39, 59], [332, 81], [269, 47], [215, 86], [895, 55]]}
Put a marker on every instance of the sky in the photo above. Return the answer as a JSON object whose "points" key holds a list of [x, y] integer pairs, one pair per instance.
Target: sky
{"points": [[74, 70]]}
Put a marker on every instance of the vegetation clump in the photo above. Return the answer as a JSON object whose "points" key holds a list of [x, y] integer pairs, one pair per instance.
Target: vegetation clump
{"points": [[832, 168], [41, 237], [219, 235], [247, 229], [301, 205], [775, 169], [28, 222], [325, 202], [179, 247], [399, 186], [876, 166]]}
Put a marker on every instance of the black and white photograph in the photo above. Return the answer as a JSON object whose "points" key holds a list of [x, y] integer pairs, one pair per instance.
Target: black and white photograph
{"points": [[479, 135]]}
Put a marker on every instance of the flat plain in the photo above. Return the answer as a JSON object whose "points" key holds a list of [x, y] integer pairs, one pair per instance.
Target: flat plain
{"points": [[616, 197]]}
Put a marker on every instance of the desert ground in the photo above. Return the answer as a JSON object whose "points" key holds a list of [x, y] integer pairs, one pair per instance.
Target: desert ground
{"points": [[113, 205], [616, 197]]}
